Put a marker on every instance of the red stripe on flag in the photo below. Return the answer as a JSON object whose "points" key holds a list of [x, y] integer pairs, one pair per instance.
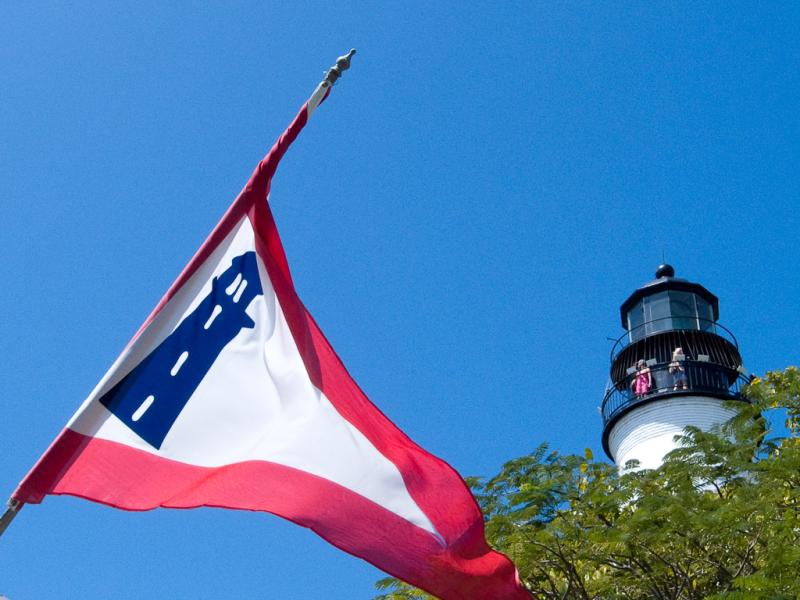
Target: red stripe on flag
{"points": [[131, 479]]}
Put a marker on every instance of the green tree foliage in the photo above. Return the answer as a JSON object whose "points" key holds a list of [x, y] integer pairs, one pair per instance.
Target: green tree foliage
{"points": [[720, 519]]}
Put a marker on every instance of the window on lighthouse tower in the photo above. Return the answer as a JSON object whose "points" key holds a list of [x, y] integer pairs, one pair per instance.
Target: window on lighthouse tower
{"points": [[657, 313], [705, 314], [684, 313], [636, 322]]}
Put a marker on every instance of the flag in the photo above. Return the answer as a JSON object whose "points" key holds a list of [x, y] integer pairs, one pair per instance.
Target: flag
{"points": [[230, 396]]}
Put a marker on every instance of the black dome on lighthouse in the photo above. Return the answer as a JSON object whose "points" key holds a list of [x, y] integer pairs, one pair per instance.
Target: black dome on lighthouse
{"points": [[665, 270]]}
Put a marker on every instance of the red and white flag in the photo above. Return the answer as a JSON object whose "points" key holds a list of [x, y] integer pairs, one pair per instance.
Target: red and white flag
{"points": [[230, 396]]}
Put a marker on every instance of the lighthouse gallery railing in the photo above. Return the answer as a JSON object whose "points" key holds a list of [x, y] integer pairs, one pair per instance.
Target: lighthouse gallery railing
{"points": [[700, 377]]}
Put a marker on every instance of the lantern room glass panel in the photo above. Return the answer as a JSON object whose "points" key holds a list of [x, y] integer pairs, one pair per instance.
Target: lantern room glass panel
{"points": [[705, 314], [636, 322], [657, 313], [682, 307]]}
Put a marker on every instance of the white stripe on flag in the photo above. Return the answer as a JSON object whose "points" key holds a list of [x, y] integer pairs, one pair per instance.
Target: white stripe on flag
{"points": [[255, 403]]}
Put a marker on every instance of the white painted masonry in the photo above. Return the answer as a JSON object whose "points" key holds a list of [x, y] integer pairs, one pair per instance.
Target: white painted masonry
{"points": [[647, 433]]}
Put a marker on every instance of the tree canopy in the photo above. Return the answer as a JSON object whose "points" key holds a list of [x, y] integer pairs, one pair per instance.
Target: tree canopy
{"points": [[719, 519]]}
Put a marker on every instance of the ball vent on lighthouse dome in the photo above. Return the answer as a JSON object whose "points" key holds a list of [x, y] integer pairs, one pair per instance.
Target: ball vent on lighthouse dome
{"points": [[665, 270]]}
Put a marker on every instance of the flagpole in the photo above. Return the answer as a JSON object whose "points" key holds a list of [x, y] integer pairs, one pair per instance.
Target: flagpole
{"points": [[320, 94], [14, 506]]}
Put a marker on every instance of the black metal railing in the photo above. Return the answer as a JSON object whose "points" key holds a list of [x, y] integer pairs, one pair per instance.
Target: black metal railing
{"points": [[633, 335], [688, 376]]}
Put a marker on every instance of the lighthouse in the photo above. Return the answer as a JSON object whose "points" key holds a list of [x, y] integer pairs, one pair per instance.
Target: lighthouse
{"points": [[675, 366]]}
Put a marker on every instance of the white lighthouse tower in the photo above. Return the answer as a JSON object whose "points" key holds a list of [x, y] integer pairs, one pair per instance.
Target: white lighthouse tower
{"points": [[674, 366]]}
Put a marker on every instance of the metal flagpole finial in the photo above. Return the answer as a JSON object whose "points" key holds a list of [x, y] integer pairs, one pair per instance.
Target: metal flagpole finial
{"points": [[342, 64]]}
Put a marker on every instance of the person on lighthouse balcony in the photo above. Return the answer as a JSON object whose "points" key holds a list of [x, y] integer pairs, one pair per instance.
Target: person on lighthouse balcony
{"points": [[642, 381], [677, 371]]}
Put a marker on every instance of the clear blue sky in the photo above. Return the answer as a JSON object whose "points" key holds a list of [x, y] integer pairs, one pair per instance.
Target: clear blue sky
{"points": [[463, 217]]}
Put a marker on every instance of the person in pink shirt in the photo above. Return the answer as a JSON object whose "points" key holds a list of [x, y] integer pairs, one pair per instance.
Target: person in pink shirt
{"points": [[643, 381]]}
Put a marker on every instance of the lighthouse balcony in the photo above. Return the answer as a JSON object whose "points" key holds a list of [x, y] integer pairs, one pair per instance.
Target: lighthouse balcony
{"points": [[662, 380], [684, 329], [715, 346]]}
